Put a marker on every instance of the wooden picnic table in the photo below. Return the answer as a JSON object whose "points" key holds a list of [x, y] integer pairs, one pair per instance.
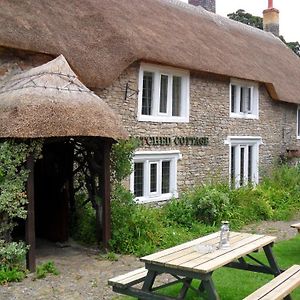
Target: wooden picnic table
{"points": [[198, 259]]}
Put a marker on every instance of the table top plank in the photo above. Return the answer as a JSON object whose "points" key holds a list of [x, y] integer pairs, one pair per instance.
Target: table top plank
{"points": [[155, 256], [186, 256], [200, 252], [235, 254]]}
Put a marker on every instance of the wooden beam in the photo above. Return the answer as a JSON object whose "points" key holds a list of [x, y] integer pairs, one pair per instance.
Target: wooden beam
{"points": [[106, 232], [30, 226]]}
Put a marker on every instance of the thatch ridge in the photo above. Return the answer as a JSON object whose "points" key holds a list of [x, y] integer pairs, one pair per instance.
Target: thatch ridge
{"points": [[101, 38], [50, 101]]}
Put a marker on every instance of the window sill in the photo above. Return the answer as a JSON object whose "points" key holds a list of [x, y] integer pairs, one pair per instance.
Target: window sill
{"points": [[144, 118], [244, 116], [163, 197]]}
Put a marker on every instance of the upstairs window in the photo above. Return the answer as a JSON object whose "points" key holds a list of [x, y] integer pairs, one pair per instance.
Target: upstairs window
{"points": [[154, 176], [164, 94], [243, 99]]}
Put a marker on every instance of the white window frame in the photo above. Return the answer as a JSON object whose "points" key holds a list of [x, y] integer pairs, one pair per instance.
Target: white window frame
{"points": [[242, 142], [151, 157], [156, 115], [298, 123], [254, 113]]}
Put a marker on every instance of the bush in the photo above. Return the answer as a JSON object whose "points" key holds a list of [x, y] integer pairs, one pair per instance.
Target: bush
{"points": [[83, 227], [10, 275], [12, 255], [12, 261], [46, 268]]}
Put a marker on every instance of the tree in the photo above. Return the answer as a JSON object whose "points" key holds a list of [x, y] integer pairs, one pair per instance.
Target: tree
{"points": [[241, 16]]}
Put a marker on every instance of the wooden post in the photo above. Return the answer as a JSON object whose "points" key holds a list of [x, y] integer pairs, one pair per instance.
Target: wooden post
{"points": [[106, 232], [30, 226]]}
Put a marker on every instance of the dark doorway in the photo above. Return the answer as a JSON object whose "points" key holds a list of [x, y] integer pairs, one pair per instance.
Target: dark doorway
{"points": [[53, 177]]}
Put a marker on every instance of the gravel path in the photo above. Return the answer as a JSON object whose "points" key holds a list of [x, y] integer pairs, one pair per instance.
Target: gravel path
{"points": [[83, 275]]}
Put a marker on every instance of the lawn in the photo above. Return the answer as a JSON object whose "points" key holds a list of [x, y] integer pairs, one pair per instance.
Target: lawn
{"points": [[234, 284]]}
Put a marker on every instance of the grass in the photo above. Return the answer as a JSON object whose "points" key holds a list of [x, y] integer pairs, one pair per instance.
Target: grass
{"points": [[234, 284]]}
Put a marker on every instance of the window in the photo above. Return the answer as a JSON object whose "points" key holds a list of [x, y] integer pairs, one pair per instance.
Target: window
{"points": [[164, 94], [154, 176], [244, 158], [243, 99], [298, 122]]}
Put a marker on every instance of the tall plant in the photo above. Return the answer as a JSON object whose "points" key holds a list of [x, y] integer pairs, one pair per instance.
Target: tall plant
{"points": [[13, 177]]}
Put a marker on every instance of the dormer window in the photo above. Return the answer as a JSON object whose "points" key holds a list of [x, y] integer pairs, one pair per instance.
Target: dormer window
{"points": [[163, 94], [243, 99]]}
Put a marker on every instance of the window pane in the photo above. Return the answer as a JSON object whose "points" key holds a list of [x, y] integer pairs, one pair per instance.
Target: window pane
{"points": [[245, 100], [176, 96], [153, 178], [242, 169], [249, 108], [163, 93], [138, 179], [233, 88], [232, 167], [165, 182], [147, 95], [250, 152]]}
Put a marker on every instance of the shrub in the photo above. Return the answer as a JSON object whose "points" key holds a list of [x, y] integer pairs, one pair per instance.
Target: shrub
{"points": [[83, 227], [12, 255], [10, 275], [46, 268]]}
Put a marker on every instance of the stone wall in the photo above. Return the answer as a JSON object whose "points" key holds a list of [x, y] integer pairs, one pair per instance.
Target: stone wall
{"points": [[209, 5], [209, 117]]}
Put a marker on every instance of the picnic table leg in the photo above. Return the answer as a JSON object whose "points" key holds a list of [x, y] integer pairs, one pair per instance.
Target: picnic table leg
{"points": [[271, 260], [149, 280], [210, 288], [185, 287]]}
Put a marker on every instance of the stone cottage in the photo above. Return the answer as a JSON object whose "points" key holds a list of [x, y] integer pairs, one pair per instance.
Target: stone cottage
{"points": [[205, 95]]}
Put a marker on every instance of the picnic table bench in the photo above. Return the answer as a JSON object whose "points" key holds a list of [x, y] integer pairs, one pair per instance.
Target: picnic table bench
{"points": [[297, 226], [280, 287], [197, 259]]}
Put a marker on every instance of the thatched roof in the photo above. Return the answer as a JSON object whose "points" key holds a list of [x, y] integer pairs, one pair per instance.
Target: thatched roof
{"points": [[100, 38], [49, 101]]}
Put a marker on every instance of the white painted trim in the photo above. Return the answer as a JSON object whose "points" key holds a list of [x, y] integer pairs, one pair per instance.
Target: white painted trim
{"points": [[185, 94], [254, 99], [240, 142], [149, 157]]}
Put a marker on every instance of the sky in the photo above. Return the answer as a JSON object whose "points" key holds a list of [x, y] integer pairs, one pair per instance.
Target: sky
{"points": [[288, 17]]}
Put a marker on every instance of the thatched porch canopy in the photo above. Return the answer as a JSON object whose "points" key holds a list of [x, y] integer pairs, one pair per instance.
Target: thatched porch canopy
{"points": [[50, 101]]}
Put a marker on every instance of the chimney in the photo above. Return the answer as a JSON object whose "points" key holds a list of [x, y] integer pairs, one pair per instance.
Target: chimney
{"points": [[209, 5], [271, 19]]}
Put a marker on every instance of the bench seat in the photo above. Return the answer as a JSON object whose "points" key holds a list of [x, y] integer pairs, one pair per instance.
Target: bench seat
{"points": [[297, 226], [279, 287], [128, 279]]}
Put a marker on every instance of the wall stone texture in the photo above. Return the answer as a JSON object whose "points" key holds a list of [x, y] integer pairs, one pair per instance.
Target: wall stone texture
{"points": [[209, 117]]}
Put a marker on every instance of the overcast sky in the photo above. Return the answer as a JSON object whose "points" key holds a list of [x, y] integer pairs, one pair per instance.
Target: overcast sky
{"points": [[289, 13]]}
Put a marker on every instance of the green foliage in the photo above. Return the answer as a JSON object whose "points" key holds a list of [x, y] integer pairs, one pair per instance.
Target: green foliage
{"points": [[121, 157], [13, 177], [140, 229], [241, 16], [10, 275], [46, 268], [12, 258], [12, 255], [83, 227]]}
